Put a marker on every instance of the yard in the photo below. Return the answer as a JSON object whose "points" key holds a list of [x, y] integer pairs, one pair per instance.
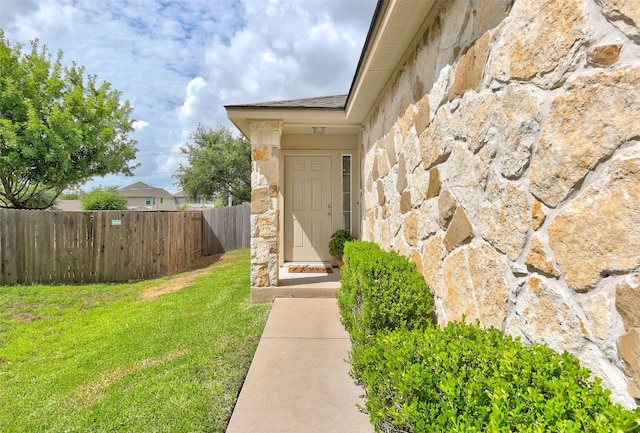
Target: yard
{"points": [[167, 355]]}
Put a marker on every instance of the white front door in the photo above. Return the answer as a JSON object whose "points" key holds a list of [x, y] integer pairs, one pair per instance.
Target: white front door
{"points": [[307, 207]]}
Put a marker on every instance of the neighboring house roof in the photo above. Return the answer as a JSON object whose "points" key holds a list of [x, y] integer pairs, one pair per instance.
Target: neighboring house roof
{"points": [[141, 189], [180, 194], [336, 102], [68, 206]]}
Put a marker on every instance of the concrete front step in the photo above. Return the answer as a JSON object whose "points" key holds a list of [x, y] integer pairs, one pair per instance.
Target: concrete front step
{"points": [[299, 285], [261, 295]]}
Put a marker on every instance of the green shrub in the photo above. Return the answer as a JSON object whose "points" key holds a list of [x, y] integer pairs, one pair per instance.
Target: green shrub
{"points": [[336, 244], [104, 198], [381, 291], [464, 379]]}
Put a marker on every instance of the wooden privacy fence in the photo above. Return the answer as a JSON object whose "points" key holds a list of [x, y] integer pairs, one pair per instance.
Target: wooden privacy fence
{"points": [[86, 247], [226, 229]]}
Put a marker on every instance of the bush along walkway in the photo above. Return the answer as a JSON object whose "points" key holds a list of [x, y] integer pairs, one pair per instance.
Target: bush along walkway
{"points": [[420, 378]]}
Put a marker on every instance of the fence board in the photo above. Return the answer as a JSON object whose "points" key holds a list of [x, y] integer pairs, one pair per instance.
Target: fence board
{"points": [[226, 229], [83, 247]]}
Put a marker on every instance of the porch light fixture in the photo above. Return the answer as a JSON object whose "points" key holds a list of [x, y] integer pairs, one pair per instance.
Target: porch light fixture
{"points": [[318, 129]]}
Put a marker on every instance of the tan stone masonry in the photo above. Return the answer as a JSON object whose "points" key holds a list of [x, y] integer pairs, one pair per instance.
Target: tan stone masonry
{"points": [[265, 187], [503, 157]]}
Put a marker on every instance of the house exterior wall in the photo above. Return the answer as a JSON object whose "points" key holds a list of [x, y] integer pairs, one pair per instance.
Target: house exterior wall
{"points": [[503, 159], [164, 203]]}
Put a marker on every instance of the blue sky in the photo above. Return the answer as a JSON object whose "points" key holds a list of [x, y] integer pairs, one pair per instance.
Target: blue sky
{"points": [[180, 62]]}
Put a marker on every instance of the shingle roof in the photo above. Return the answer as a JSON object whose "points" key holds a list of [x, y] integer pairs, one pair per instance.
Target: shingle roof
{"points": [[336, 102], [141, 189]]}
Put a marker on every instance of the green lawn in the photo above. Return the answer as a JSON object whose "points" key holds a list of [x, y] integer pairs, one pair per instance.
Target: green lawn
{"points": [[140, 357]]}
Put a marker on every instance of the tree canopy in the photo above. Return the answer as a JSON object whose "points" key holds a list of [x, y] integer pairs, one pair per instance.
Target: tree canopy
{"points": [[219, 163], [104, 198], [58, 127]]}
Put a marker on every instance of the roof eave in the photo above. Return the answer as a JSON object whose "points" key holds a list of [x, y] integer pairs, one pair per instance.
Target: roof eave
{"points": [[393, 31], [298, 118]]}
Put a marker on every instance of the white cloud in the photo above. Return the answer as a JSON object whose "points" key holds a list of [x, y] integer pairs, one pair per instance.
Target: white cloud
{"points": [[180, 62], [139, 125]]}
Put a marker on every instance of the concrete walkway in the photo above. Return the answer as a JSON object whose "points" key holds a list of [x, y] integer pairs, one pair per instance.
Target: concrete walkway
{"points": [[299, 380]]}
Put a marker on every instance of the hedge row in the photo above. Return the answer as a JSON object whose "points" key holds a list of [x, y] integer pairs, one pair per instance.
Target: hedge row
{"points": [[381, 291], [421, 378]]}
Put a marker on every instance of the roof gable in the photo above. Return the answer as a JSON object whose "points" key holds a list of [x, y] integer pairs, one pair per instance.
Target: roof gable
{"points": [[336, 102], [141, 189]]}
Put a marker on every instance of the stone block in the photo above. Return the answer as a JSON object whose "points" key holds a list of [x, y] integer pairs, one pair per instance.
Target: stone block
{"points": [[401, 183], [629, 349], [459, 231], [417, 259], [628, 301], [517, 130], [431, 263], [537, 258], [433, 190], [260, 153], [375, 174], [405, 202], [407, 121], [505, 216], [597, 310], [270, 172], [410, 229], [381, 197], [474, 285], [604, 56], [259, 276], [436, 141], [544, 313], [267, 226], [548, 49], [624, 14], [596, 115], [598, 233], [538, 215], [447, 205], [470, 68], [259, 200], [423, 117]]}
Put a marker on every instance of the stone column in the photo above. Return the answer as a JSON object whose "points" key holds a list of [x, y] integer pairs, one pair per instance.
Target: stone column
{"points": [[265, 187]]}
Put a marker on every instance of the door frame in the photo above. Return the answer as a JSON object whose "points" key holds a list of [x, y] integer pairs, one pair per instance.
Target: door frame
{"points": [[336, 190]]}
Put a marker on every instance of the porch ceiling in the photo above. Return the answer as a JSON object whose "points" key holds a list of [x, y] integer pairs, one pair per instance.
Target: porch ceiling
{"points": [[295, 121]]}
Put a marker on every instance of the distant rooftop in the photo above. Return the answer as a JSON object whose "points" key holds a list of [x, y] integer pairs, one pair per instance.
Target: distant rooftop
{"points": [[141, 189], [336, 102]]}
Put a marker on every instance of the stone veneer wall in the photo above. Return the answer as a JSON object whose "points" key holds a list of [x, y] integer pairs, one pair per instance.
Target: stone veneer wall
{"points": [[503, 158], [265, 188]]}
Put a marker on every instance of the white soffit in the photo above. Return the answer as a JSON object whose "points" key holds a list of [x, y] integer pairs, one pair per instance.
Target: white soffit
{"points": [[392, 35], [296, 121]]}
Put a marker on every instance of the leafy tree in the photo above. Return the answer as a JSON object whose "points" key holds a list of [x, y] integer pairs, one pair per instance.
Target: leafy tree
{"points": [[58, 127], [104, 198], [73, 194], [219, 163]]}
